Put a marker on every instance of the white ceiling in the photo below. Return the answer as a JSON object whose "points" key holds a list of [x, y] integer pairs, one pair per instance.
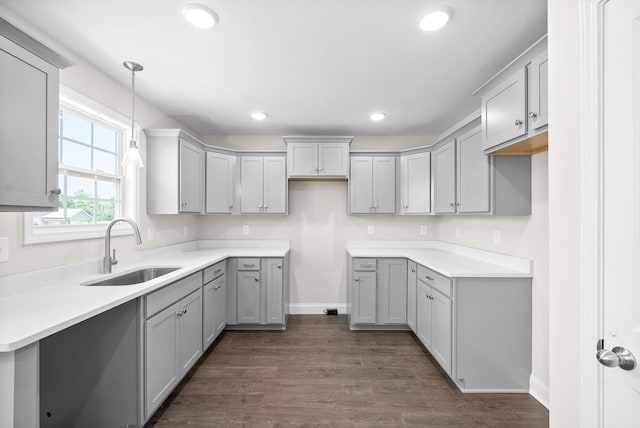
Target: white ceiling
{"points": [[316, 67]]}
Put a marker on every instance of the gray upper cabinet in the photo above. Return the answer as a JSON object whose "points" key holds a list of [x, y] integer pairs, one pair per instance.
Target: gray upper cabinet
{"points": [[504, 110], [28, 128], [444, 178], [175, 172], [220, 183], [263, 185], [372, 186], [317, 157], [514, 104], [473, 174], [415, 182], [538, 90]]}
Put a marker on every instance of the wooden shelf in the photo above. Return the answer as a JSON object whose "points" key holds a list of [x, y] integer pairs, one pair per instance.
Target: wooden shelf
{"points": [[536, 144]]}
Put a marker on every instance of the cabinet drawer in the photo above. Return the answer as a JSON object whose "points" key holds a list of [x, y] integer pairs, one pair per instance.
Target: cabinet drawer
{"points": [[212, 272], [166, 296], [435, 280], [364, 264], [248, 264]]}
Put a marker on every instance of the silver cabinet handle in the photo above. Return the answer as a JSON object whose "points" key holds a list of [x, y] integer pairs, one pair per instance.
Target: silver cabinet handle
{"points": [[182, 312], [617, 357], [230, 206], [248, 264], [265, 207], [55, 191], [413, 271], [279, 266], [518, 122], [428, 277], [451, 204], [532, 115], [367, 265], [184, 204], [256, 279], [356, 279], [320, 169], [405, 206], [260, 206]]}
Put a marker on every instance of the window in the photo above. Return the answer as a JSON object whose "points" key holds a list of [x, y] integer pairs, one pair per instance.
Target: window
{"points": [[93, 184]]}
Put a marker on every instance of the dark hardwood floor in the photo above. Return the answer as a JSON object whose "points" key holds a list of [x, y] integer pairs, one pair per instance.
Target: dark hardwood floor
{"points": [[317, 373]]}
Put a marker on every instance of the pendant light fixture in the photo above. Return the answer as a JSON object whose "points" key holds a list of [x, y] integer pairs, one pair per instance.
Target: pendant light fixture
{"points": [[132, 156]]}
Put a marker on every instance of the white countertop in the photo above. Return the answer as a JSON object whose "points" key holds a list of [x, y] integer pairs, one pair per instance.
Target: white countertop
{"points": [[454, 261], [34, 305]]}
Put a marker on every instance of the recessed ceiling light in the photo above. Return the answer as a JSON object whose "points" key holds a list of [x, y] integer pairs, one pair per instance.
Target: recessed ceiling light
{"points": [[377, 117], [199, 15], [258, 115], [435, 18]]}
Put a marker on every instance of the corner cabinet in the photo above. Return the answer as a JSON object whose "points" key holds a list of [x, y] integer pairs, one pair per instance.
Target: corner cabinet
{"points": [[372, 186], [514, 105], [220, 183], [175, 172], [317, 157], [258, 293], [263, 185], [28, 123], [415, 183]]}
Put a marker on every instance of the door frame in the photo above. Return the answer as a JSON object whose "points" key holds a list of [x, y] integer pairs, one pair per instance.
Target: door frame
{"points": [[591, 22]]}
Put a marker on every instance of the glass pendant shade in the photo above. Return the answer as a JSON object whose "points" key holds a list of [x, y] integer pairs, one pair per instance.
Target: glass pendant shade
{"points": [[132, 156]]}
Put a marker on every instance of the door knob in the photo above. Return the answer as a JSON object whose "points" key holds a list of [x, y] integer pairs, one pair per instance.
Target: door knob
{"points": [[617, 357]]}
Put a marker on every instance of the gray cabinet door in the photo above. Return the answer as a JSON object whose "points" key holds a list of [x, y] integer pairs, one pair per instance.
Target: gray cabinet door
{"points": [[275, 185], [441, 329], [538, 84], [416, 183], [473, 174], [361, 185], [424, 314], [412, 284], [191, 178], [275, 309], [393, 302], [208, 310], [220, 189], [28, 130], [251, 184], [444, 178], [302, 159], [248, 285], [504, 111], [161, 357], [384, 185], [333, 159], [190, 326], [219, 305], [364, 298]]}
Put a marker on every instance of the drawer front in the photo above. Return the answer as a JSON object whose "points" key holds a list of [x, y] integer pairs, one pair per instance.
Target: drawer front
{"points": [[434, 279], [212, 272], [364, 264], [248, 263], [166, 296]]}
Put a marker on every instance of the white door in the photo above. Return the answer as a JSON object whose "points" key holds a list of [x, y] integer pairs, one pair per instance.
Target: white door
{"points": [[621, 210]]}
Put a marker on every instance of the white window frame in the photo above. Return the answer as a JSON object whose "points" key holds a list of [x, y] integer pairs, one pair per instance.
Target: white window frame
{"points": [[129, 185]]}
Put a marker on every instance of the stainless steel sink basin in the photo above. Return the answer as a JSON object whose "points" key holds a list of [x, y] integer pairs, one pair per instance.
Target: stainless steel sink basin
{"points": [[134, 277]]}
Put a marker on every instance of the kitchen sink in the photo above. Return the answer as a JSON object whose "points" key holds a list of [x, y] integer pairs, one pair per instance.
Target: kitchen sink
{"points": [[135, 277]]}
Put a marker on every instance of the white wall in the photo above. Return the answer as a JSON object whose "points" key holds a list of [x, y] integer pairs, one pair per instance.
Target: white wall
{"points": [[87, 80], [564, 213]]}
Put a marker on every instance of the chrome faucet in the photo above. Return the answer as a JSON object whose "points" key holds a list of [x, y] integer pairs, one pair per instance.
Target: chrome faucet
{"points": [[107, 260]]}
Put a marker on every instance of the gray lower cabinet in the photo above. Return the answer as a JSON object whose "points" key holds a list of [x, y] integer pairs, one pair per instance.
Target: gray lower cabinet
{"points": [[214, 302], [172, 337], [378, 292], [258, 295], [412, 284]]}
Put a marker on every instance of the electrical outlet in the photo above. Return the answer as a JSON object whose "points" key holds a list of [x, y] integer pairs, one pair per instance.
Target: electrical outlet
{"points": [[151, 234], [496, 236], [458, 232], [370, 229], [185, 230], [245, 229], [4, 250], [423, 230]]}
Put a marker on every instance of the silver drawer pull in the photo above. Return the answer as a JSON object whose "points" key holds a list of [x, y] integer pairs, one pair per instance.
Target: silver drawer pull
{"points": [[249, 264], [368, 265], [182, 312], [217, 271], [256, 279], [428, 277]]}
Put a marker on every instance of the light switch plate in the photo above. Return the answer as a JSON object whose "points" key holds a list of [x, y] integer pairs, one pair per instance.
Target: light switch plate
{"points": [[245, 229], [370, 229], [458, 232], [423, 230], [496, 236], [4, 250]]}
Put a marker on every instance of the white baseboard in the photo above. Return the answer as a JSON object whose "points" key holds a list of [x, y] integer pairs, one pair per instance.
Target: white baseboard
{"points": [[316, 308], [539, 391]]}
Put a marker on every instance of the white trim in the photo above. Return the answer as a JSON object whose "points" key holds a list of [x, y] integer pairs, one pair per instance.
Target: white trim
{"points": [[539, 390], [591, 197], [316, 308]]}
